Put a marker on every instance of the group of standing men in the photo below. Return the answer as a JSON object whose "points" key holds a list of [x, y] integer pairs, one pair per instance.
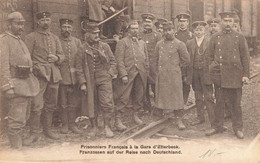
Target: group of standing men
{"points": [[46, 71]]}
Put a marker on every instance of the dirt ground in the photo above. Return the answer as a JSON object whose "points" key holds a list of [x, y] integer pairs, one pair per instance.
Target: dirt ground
{"points": [[192, 141]]}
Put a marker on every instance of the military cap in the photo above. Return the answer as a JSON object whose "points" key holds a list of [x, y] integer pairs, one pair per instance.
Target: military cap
{"points": [[44, 14], [92, 27], [15, 16], [162, 20], [198, 24], [213, 20], [183, 16], [125, 18], [168, 25], [66, 21], [149, 16], [227, 14]]}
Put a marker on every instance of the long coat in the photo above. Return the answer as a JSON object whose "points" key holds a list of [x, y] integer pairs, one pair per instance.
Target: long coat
{"points": [[85, 72], [168, 87], [14, 52], [229, 59], [191, 47]]}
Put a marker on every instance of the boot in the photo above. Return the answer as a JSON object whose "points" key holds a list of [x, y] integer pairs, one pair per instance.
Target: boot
{"points": [[34, 127], [109, 133], [137, 120], [47, 122], [118, 123], [93, 130], [180, 124], [15, 141], [64, 119], [72, 125]]}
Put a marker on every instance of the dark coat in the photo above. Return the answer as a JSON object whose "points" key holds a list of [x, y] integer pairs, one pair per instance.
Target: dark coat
{"points": [[15, 53], [191, 47], [40, 45], [168, 86], [70, 48], [229, 59], [85, 72]]}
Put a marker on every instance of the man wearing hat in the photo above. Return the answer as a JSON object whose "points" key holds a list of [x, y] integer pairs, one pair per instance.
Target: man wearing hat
{"points": [[183, 34], [150, 37], [46, 52], [133, 66], [213, 25], [68, 90], [18, 84], [171, 53], [229, 70], [198, 73], [236, 26], [158, 24], [96, 67]]}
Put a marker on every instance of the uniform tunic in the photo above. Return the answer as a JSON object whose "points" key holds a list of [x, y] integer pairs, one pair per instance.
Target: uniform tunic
{"points": [[15, 53], [68, 90], [168, 87]]}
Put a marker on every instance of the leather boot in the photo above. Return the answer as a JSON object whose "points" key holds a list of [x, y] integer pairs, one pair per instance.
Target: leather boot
{"points": [[64, 119], [93, 130], [137, 120], [108, 131], [15, 141], [180, 124], [47, 122], [34, 127], [72, 125], [118, 123]]}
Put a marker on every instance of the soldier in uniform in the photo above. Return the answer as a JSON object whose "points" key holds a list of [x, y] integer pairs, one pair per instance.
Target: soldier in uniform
{"points": [[150, 37], [199, 73], [18, 84], [96, 67], [213, 26], [171, 53], [159, 26], [46, 52], [229, 69], [183, 34], [132, 59], [68, 90]]}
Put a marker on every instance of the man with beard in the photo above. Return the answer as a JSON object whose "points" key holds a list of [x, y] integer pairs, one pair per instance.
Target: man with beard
{"points": [[96, 67], [199, 73], [183, 34], [68, 90], [150, 37], [18, 84], [46, 52], [213, 25], [171, 55], [133, 63], [229, 70]]}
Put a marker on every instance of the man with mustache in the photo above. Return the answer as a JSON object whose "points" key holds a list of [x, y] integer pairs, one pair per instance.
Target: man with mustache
{"points": [[171, 55], [133, 66], [47, 54], [150, 37], [69, 98], [183, 34], [18, 84], [229, 70], [199, 73], [95, 69], [213, 25], [159, 26]]}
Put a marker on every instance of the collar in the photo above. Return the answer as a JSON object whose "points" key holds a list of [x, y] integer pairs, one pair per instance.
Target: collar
{"points": [[135, 39], [44, 32], [183, 30], [199, 40], [10, 34], [227, 32], [66, 38]]}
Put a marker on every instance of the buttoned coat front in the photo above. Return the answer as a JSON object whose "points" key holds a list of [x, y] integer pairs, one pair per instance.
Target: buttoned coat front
{"points": [[168, 86], [85, 72], [191, 47], [229, 59]]}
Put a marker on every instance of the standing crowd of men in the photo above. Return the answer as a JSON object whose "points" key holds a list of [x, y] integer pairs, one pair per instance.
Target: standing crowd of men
{"points": [[45, 72]]}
